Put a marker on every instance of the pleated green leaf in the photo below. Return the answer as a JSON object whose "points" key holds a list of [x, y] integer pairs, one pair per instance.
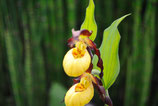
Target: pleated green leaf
{"points": [[109, 53], [89, 22]]}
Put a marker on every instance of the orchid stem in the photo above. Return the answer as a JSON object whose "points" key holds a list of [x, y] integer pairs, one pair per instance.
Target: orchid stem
{"points": [[107, 94]]}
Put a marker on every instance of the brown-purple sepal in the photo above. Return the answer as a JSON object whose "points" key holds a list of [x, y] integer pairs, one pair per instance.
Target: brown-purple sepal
{"points": [[77, 80], [108, 101], [90, 52], [76, 34], [90, 68], [101, 90], [71, 42], [85, 32], [92, 46]]}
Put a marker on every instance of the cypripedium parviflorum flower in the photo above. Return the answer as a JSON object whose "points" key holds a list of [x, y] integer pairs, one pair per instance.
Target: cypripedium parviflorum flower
{"points": [[78, 63], [81, 93], [77, 60]]}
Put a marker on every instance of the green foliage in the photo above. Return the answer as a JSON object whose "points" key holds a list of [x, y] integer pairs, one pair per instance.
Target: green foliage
{"points": [[109, 53], [89, 22], [33, 36]]}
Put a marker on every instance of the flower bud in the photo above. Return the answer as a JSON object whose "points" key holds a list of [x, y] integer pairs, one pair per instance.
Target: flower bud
{"points": [[76, 62]]}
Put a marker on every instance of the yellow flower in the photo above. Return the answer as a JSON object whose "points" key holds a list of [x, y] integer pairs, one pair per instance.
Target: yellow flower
{"points": [[77, 60], [81, 93]]}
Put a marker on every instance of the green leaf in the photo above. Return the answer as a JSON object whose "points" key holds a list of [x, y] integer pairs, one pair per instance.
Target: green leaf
{"points": [[57, 93], [109, 53], [89, 22]]}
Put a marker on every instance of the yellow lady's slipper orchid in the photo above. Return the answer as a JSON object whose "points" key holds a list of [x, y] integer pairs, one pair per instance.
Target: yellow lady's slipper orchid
{"points": [[81, 93], [77, 60], [77, 63]]}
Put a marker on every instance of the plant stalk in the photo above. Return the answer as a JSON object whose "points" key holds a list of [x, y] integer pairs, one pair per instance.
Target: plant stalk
{"points": [[107, 94]]}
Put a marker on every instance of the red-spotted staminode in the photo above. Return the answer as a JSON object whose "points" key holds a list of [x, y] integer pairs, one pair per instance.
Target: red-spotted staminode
{"points": [[78, 63]]}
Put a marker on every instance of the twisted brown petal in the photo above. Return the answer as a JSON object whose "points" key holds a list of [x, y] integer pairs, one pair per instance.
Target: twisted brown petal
{"points": [[92, 45]]}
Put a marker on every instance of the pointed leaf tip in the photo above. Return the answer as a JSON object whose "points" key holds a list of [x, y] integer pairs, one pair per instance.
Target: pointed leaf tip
{"points": [[117, 22], [89, 22]]}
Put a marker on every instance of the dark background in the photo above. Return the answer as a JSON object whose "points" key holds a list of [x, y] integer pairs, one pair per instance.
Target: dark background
{"points": [[33, 41]]}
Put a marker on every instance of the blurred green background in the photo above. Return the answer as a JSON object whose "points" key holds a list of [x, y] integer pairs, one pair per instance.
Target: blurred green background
{"points": [[33, 41]]}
